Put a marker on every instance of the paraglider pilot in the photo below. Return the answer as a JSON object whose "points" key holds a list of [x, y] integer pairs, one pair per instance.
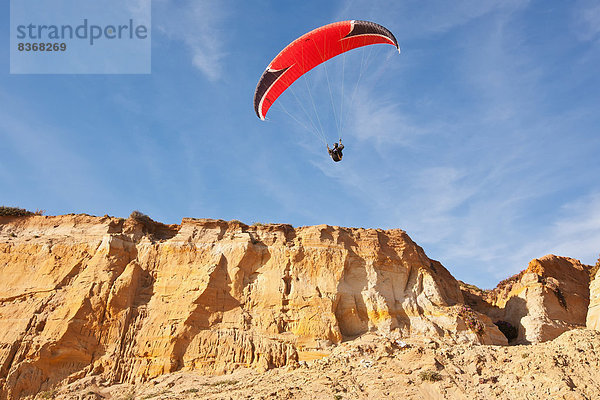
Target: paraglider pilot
{"points": [[336, 152]]}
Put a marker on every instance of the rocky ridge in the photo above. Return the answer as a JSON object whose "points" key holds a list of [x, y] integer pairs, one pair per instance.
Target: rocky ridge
{"points": [[127, 301]]}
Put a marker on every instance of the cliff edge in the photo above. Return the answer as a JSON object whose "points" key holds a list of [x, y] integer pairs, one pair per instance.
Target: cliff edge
{"points": [[129, 300]]}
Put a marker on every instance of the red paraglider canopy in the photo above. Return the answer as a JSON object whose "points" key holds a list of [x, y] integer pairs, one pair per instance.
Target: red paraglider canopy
{"points": [[312, 49]]}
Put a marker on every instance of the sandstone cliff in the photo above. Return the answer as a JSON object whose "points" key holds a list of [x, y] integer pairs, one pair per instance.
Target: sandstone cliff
{"points": [[129, 300], [548, 298], [593, 316]]}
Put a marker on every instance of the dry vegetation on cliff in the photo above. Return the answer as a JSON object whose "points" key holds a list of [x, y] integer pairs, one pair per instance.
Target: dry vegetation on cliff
{"points": [[17, 212]]}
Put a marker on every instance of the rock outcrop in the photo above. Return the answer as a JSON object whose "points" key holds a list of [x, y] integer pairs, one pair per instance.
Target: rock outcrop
{"points": [[593, 316], [129, 300], [548, 298]]}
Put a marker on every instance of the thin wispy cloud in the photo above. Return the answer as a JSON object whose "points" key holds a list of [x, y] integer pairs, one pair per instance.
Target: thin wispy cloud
{"points": [[47, 161], [480, 139], [381, 122], [414, 18], [577, 231], [586, 20], [574, 232], [469, 205], [200, 25], [139, 9]]}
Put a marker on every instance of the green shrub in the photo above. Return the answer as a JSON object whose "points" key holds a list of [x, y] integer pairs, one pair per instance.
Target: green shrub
{"points": [[430, 376], [473, 323], [237, 222], [141, 217], [49, 394], [18, 212], [148, 223], [226, 382]]}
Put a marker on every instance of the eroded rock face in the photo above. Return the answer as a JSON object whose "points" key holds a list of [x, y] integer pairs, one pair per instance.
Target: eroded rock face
{"points": [[548, 298], [593, 316], [130, 300]]}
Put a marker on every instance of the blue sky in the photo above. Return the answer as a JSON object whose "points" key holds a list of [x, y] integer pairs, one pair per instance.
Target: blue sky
{"points": [[481, 140]]}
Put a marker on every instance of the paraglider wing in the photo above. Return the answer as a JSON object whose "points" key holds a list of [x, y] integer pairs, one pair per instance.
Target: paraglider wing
{"points": [[312, 49]]}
